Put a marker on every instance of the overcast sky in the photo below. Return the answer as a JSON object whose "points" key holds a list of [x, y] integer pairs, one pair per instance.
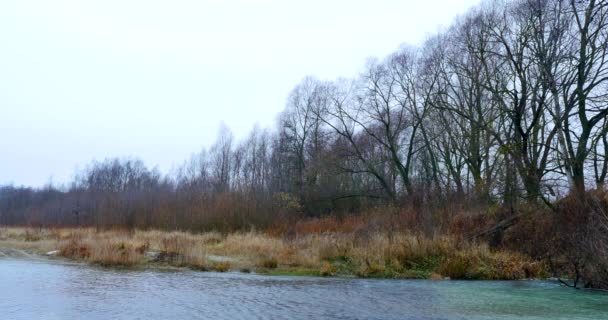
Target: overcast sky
{"points": [[83, 80]]}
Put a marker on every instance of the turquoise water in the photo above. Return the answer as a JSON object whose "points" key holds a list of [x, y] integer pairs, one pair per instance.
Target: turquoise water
{"points": [[31, 289]]}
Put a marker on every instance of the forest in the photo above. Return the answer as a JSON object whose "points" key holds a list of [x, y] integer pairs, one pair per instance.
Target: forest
{"points": [[494, 128]]}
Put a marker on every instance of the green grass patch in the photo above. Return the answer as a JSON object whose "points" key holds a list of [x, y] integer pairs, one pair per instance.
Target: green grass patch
{"points": [[290, 271]]}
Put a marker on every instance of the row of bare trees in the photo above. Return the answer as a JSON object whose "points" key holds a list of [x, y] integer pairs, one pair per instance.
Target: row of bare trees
{"points": [[511, 102], [508, 105]]}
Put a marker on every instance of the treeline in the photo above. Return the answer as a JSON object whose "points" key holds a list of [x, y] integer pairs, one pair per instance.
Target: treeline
{"points": [[507, 106]]}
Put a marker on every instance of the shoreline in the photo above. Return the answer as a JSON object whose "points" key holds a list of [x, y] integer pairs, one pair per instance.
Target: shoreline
{"points": [[341, 255], [277, 273]]}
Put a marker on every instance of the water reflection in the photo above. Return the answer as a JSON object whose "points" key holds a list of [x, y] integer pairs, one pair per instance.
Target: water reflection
{"points": [[45, 290]]}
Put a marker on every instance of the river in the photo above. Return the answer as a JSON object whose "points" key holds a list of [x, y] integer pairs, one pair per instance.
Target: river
{"points": [[39, 289]]}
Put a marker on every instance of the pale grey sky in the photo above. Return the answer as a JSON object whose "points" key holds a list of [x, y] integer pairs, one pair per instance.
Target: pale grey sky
{"points": [[83, 80]]}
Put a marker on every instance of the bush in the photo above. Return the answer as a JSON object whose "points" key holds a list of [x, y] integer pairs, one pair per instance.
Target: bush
{"points": [[327, 269], [32, 235], [74, 249], [580, 238], [222, 266], [269, 263], [371, 269], [481, 263]]}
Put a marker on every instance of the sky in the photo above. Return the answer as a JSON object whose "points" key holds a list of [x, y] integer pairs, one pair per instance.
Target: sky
{"points": [[85, 80]]}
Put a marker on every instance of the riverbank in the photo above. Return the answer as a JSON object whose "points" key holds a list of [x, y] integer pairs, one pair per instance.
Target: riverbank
{"points": [[376, 255]]}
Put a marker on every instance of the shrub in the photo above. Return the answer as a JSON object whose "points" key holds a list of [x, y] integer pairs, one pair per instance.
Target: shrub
{"points": [[269, 263], [74, 249], [32, 235], [327, 269], [455, 267], [370, 269], [221, 266], [479, 262], [115, 253]]}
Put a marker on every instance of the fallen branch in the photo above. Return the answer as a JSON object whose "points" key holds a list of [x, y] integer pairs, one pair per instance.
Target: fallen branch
{"points": [[501, 226]]}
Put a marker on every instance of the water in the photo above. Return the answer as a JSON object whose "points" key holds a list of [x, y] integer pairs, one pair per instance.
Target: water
{"points": [[31, 289]]}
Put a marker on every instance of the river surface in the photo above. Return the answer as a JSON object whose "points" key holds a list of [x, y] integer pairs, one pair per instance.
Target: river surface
{"points": [[39, 289]]}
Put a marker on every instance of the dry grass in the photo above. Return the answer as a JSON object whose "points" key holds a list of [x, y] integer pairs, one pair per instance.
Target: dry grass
{"points": [[362, 253], [480, 263]]}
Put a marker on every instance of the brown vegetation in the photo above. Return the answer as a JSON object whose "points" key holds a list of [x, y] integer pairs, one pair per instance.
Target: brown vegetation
{"points": [[573, 238], [364, 254]]}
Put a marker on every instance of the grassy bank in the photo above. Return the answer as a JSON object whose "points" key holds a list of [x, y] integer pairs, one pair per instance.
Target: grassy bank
{"points": [[377, 254]]}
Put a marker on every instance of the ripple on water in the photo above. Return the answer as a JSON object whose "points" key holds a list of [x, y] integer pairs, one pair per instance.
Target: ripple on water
{"points": [[49, 290]]}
